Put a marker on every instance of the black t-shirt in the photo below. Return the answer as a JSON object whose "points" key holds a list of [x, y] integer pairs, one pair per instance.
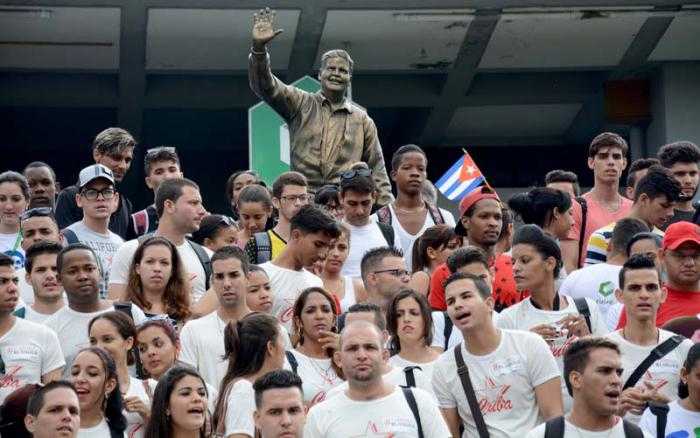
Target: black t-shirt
{"points": [[68, 212]]}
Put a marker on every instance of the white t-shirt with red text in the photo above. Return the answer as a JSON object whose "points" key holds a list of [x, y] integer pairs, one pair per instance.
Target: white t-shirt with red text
{"points": [[388, 416], [286, 286], [524, 316], [29, 351], [317, 375], [665, 373], [504, 382]]}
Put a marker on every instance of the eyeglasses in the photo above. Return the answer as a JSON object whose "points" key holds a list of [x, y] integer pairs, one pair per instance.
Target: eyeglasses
{"points": [[295, 198], [349, 174], [36, 212], [92, 194], [398, 273]]}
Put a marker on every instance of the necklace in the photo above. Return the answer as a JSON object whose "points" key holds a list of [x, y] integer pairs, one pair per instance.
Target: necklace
{"points": [[403, 210], [624, 335], [327, 375], [618, 204]]}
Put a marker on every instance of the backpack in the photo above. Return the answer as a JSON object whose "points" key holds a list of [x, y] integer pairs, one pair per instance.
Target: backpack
{"points": [[263, 245], [555, 427], [384, 214], [387, 232], [141, 220], [447, 330], [198, 249], [292, 361], [582, 233]]}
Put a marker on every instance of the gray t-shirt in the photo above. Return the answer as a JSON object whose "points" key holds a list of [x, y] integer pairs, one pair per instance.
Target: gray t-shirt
{"points": [[105, 245]]}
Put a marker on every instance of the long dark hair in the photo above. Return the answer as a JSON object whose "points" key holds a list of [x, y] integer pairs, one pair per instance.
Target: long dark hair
{"points": [[392, 315], [297, 329], [689, 364], [175, 295], [245, 344], [160, 425], [536, 206], [113, 405]]}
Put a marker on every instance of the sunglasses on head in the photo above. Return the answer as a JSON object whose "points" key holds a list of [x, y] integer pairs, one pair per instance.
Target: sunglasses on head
{"points": [[349, 174], [37, 212]]}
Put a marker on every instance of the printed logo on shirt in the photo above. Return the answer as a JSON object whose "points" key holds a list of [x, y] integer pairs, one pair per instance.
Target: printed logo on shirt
{"points": [[684, 434], [389, 427], [606, 288], [665, 366], [493, 397], [11, 378]]}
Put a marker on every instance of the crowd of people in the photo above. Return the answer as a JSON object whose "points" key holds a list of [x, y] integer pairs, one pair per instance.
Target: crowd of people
{"points": [[328, 304]]}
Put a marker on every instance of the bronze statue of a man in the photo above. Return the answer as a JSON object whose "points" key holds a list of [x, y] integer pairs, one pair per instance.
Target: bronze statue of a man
{"points": [[328, 132]]}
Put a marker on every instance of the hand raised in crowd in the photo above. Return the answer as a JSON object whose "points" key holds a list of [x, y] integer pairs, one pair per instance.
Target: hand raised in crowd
{"points": [[135, 404], [575, 325], [263, 29], [330, 340], [547, 331], [635, 399]]}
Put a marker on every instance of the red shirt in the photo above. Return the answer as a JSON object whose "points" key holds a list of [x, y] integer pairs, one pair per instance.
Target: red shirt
{"points": [[504, 291], [678, 303]]}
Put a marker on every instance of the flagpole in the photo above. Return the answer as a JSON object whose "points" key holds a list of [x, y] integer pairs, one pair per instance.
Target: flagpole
{"points": [[482, 174]]}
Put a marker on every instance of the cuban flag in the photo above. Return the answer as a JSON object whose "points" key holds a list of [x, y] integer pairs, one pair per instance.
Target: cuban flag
{"points": [[462, 178]]}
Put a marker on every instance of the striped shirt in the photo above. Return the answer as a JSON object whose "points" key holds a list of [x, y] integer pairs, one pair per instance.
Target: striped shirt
{"points": [[597, 251]]}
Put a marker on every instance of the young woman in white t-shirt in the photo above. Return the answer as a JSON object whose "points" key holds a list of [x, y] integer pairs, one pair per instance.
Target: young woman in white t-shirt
{"points": [[115, 333], [348, 290], [684, 414], [314, 339], [94, 376], [259, 296], [410, 325], [431, 250], [157, 281], [254, 346], [14, 198], [181, 399]]}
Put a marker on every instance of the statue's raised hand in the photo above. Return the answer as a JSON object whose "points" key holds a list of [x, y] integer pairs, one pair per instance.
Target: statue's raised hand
{"points": [[263, 28]]}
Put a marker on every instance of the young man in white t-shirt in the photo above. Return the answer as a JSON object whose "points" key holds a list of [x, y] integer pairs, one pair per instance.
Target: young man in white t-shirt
{"points": [[279, 405], [97, 197], [599, 282], [202, 340], [384, 273], [180, 211], [42, 275], [411, 214], [371, 406], [312, 230], [512, 373], [391, 374], [30, 352], [592, 369], [357, 197], [79, 273], [37, 224], [641, 293]]}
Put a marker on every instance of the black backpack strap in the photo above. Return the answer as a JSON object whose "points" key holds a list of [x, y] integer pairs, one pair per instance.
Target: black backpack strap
{"points": [[292, 361], [411, 400], [583, 309], [660, 411], [582, 233], [435, 213], [554, 428], [447, 330], [70, 236], [264, 247], [463, 372], [410, 375], [657, 353], [204, 260], [632, 430], [384, 215], [387, 232]]}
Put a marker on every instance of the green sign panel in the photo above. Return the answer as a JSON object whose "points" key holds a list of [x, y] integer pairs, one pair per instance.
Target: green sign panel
{"points": [[268, 136]]}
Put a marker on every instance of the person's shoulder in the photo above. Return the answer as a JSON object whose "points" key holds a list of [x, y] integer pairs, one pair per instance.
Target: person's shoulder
{"points": [[537, 432], [32, 328], [129, 245], [510, 311], [423, 397], [200, 322], [57, 319]]}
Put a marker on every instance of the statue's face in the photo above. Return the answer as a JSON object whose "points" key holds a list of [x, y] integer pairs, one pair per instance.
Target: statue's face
{"points": [[335, 75]]}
